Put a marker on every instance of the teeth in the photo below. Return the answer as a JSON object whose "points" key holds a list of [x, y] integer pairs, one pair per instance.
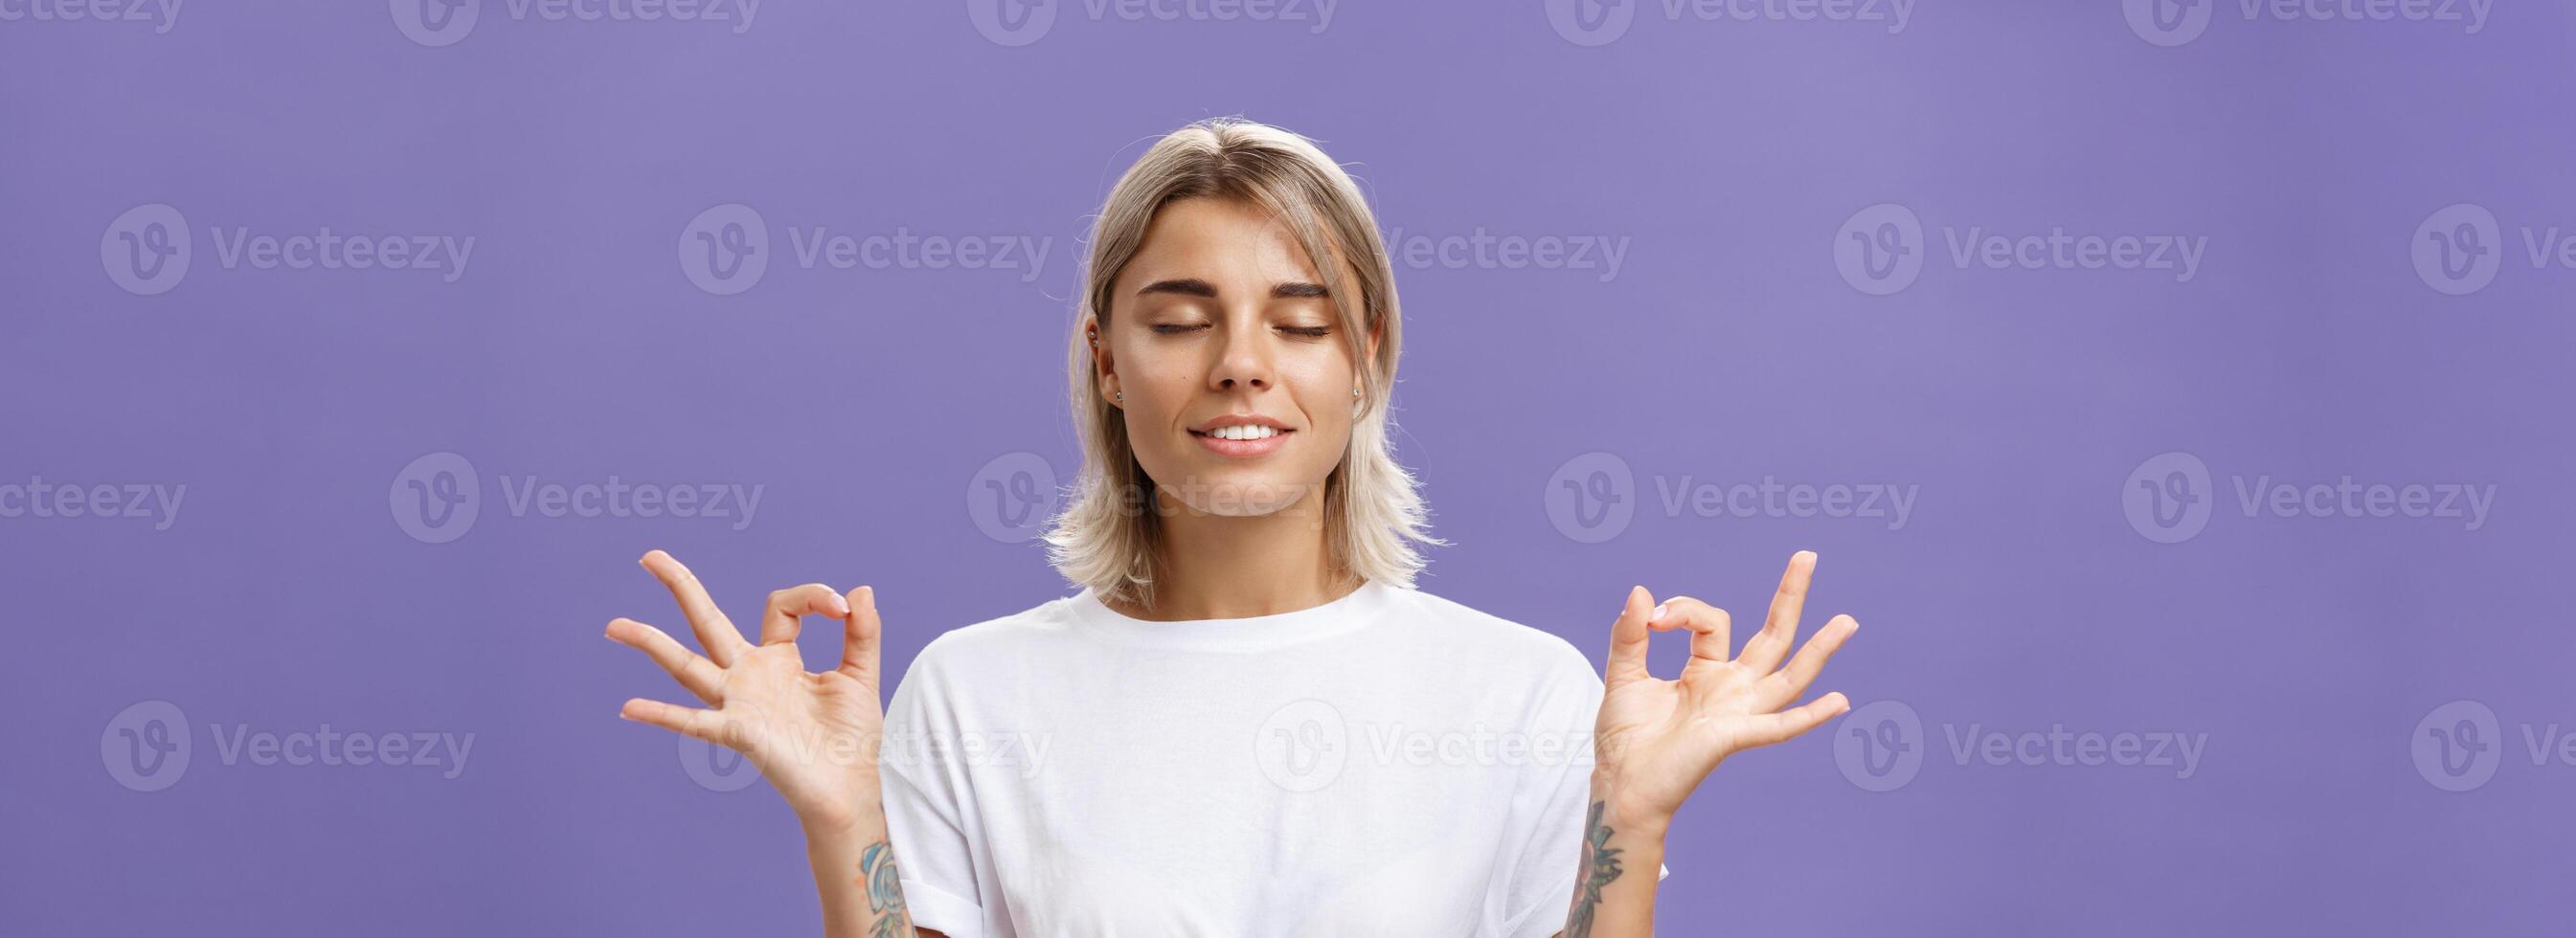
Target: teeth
{"points": [[1244, 432]]}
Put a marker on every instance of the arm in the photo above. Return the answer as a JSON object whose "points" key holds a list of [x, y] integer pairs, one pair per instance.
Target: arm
{"points": [[1656, 740], [855, 872]]}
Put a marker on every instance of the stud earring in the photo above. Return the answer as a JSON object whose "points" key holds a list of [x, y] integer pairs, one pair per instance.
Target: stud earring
{"points": [[1117, 395]]}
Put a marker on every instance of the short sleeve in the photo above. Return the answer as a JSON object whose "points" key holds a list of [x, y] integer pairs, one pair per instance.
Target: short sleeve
{"points": [[929, 817], [1548, 822]]}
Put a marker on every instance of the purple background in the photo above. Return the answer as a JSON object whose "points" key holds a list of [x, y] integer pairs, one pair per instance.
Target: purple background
{"points": [[286, 594]]}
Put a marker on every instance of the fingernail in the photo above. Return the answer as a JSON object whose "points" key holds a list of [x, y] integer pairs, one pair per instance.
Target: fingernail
{"points": [[1659, 613]]}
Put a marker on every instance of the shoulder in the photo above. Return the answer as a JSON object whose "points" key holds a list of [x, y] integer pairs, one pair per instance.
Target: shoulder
{"points": [[1492, 643], [982, 645]]}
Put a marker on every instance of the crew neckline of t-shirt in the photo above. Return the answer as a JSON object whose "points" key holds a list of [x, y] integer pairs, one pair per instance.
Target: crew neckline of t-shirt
{"points": [[1352, 610]]}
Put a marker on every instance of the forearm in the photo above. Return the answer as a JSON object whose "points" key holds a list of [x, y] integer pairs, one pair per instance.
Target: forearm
{"points": [[854, 871], [1614, 886]]}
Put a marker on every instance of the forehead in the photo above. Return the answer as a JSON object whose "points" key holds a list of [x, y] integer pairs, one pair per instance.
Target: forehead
{"points": [[1219, 240]]}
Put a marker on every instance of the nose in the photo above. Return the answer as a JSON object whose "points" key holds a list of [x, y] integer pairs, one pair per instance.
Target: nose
{"points": [[1243, 362]]}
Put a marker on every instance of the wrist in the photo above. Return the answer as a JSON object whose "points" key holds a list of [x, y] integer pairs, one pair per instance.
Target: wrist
{"points": [[1625, 815]]}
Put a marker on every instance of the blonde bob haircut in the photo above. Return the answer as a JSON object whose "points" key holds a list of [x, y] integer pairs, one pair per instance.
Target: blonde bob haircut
{"points": [[1109, 536]]}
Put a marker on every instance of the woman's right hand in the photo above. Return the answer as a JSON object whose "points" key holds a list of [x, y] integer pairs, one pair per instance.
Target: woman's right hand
{"points": [[814, 736]]}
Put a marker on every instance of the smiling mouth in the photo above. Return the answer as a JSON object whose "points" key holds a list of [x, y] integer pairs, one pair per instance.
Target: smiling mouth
{"points": [[1244, 432]]}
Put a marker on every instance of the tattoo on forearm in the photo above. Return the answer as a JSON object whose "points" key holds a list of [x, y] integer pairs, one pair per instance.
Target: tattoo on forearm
{"points": [[1600, 867], [884, 887]]}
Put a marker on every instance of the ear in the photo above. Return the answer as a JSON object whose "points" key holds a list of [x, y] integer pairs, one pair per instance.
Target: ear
{"points": [[1104, 366]]}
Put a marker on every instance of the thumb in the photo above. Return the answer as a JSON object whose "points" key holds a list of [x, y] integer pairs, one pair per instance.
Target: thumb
{"points": [[861, 636]]}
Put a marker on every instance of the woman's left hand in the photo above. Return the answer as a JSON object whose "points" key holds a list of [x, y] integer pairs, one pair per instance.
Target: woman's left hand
{"points": [[1657, 739]]}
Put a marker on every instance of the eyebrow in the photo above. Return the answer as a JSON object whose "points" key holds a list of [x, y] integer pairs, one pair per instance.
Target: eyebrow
{"points": [[1192, 286]]}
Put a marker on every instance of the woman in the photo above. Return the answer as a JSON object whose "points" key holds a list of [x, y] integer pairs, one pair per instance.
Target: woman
{"points": [[1247, 721]]}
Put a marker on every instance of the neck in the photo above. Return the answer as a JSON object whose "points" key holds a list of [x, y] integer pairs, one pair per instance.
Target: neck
{"points": [[1241, 566]]}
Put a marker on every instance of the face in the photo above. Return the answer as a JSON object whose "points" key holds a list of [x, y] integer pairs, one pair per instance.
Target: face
{"points": [[1234, 364]]}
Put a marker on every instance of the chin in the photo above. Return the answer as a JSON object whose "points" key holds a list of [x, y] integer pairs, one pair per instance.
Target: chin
{"points": [[1235, 496]]}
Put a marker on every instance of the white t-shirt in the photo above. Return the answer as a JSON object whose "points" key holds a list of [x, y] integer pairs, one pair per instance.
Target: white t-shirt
{"points": [[1387, 763]]}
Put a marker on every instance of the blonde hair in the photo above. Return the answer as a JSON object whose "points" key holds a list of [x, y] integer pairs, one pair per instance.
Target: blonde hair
{"points": [[1105, 538]]}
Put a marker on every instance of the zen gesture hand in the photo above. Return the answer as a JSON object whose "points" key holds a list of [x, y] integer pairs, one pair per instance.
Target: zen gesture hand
{"points": [[1657, 739], [814, 736]]}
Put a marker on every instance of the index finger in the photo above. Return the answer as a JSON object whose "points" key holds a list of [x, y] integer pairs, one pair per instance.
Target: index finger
{"points": [[1766, 648], [722, 641], [1629, 636]]}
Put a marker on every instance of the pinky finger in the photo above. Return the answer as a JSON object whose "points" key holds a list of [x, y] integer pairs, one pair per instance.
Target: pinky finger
{"points": [[1789, 724], [686, 721]]}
